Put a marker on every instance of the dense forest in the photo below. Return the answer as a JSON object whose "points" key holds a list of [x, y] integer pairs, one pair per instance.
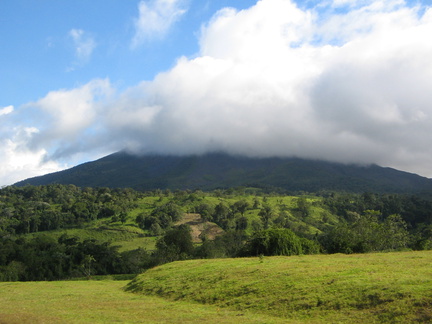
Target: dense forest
{"points": [[34, 244], [219, 170]]}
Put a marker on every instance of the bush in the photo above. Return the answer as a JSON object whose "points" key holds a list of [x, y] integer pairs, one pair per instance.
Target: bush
{"points": [[278, 241]]}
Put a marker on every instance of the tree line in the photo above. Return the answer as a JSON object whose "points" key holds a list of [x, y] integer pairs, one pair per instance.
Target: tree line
{"points": [[32, 209]]}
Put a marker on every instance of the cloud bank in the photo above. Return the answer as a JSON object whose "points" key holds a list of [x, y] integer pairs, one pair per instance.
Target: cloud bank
{"points": [[346, 81], [351, 86]]}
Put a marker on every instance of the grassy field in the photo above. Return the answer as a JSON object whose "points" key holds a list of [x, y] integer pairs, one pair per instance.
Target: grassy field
{"points": [[126, 236], [104, 302], [367, 288]]}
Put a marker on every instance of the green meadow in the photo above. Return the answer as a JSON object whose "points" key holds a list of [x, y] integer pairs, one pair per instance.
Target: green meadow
{"points": [[359, 288]]}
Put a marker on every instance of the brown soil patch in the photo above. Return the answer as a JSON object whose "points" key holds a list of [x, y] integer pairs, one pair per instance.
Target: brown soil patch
{"points": [[200, 227]]}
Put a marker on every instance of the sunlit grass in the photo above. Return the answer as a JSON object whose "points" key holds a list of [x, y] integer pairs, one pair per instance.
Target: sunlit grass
{"points": [[367, 288], [104, 302], [146, 242]]}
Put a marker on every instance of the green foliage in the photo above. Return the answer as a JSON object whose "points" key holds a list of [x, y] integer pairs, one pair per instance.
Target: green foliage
{"points": [[161, 217], [266, 213], [223, 216], [33, 209], [242, 223], [137, 260], [254, 223], [240, 206], [205, 210], [303, 207], [422, 237], [279, 241], [176, 244], [367, 234], [44, 258], [229, 245]]}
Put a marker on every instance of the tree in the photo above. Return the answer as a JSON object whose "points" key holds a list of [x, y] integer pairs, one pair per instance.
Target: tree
{"points": [[242, 223], [123, 217], [422, 239], [367, 234], [339, 240], [256, 204], [12, 272], [266, 213], [230, 245], [275, 241], [395, 232], [303, 206], [221, 212], [167, 214], [87, 265], [205, 210], [106, 212], [240, 206], [155, 229], [137, 260], [176, 244]]}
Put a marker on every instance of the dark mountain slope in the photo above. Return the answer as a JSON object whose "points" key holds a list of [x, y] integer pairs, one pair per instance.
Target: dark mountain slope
{"points": [[218, 170]]}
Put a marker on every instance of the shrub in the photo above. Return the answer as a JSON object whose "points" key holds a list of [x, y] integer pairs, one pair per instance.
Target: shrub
{"points": [[275, 241]]}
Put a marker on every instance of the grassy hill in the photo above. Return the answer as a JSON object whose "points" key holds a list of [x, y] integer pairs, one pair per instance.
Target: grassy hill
{"points": [[217, 170], [367, 288]]}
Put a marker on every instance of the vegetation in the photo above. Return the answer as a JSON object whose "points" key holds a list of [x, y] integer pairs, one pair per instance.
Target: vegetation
{"points": [[65, 232], [57, 231], [279, 241], [32, 209]]}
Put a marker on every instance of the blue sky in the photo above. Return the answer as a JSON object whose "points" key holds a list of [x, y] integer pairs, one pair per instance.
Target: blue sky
{"points": [[40, 52], [340, 80]]}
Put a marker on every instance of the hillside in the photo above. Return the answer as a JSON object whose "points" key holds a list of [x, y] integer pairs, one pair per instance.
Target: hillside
{"points": [[217, 170], [368, 288]]}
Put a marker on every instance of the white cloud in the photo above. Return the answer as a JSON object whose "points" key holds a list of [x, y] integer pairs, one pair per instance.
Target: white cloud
{"points": [[155, 19], [350, 3], [6, 110], [20, 162], [66, 118], [84, 45], [54, 132]]}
